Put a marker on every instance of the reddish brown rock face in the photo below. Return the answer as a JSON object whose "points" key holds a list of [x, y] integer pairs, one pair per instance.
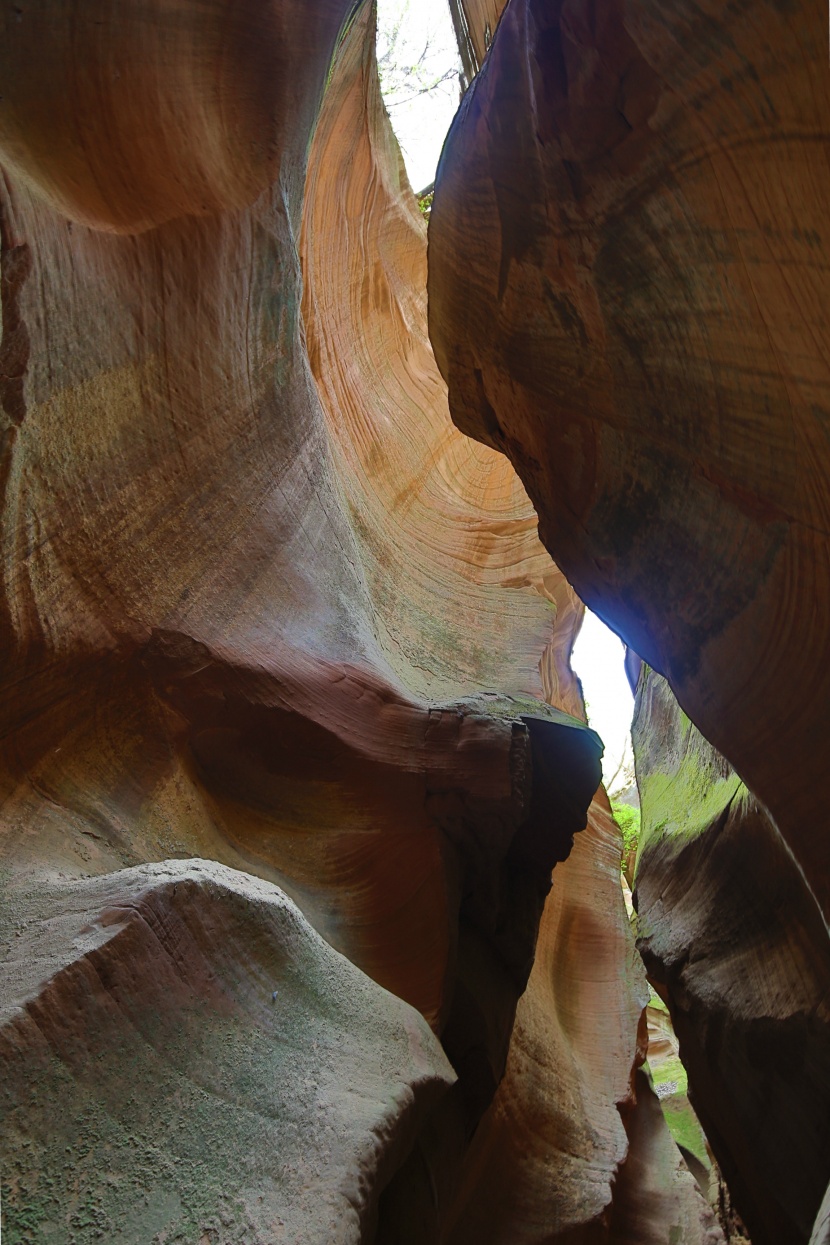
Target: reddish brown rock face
{"points": [[208, 656], [265, 606], [574, 1146], [126, 116], [628, 252], [628, 296], [475, 23], [271, 624]]}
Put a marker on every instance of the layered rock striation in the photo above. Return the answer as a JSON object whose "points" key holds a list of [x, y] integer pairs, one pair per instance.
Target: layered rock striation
{"points": [[291, 743], [628, 297], [211, 646], [290, 739]]}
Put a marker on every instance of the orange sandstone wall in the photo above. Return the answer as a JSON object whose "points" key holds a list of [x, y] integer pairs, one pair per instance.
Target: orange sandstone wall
{"points": [[628, 298], [288, 746]]}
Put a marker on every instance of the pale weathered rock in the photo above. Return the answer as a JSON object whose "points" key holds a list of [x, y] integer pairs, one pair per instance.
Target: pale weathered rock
{"points": [[656, 1198], [821, 1229], [186, 1059]]}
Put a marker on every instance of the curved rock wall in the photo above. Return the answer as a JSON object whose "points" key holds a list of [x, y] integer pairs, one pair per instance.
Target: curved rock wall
{"points": [[464, 515], [464, 595], [273, 627], [627, 296], [264, 607], [734, 941], [200, 1065], [574, 1147], [198, 654], [210, 642]]}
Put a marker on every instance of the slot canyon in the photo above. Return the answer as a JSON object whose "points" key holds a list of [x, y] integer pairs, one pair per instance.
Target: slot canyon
{"points": [[316, 926]]}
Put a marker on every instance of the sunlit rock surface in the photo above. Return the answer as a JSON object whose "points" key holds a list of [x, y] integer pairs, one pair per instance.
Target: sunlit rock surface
{"points": [[475, 22], [291, 739], [575, 1147], [734, 941], [264, 606], [671, 1086], [258, 608], [463, 521], [628, 296]]}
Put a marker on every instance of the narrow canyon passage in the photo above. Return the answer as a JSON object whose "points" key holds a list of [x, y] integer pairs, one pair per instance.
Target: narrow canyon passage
{"points": [[317, 921]]}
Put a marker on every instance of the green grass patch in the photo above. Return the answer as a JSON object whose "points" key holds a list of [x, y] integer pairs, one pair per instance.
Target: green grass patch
{"points": [[684, 1127], [655, 1001], [425, 204], [678, 1112], [671, 1069]]}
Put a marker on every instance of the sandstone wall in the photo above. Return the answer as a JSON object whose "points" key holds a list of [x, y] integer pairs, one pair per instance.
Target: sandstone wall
{"points": [[291, 742], [628, 298]]}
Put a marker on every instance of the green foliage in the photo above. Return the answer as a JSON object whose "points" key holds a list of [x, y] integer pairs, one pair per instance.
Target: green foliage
{"points": [[686, 792], [684, 1128], [425, 204], [671, 1071], [655, 1001], [628, 820]]}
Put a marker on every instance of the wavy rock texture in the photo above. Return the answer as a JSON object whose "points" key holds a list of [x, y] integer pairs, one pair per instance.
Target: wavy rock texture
{"points": [[475, 22], [628, 295], [734, 941], [463, 520], [186, 1059], [574, 1147], [464, 594], [189, 616], [209, 627], [263, 605], [200, 660]]}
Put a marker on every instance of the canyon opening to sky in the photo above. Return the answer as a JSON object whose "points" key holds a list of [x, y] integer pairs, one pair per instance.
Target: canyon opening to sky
{"points": [[317, 922]]}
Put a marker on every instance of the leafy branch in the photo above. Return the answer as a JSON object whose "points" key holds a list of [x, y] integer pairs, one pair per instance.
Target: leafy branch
{"points": [[407, 73]]}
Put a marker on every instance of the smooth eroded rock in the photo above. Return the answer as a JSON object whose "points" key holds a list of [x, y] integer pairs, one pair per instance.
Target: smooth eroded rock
{"points": [[735, 943], [183, 1055], [628, 296]]}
